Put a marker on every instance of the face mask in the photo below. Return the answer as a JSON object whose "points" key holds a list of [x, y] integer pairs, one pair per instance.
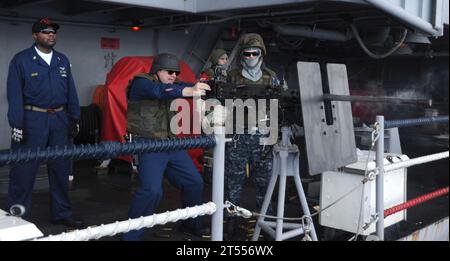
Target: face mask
{"points": [[251, 63], [251, 57], [252, 73]]}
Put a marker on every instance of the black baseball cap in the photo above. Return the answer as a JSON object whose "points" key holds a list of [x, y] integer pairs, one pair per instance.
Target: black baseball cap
{"points": [[43, 23]]}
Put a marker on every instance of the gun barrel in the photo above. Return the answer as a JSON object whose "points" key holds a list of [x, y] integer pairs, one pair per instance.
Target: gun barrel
{"points": [[382, 99]]}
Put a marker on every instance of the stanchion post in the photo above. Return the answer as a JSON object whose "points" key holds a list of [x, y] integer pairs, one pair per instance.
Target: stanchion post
{"points": [[380, 178], [218, 184]]}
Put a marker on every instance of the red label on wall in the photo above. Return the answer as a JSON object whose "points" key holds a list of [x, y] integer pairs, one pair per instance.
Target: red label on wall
{"points": [[110, 43]]}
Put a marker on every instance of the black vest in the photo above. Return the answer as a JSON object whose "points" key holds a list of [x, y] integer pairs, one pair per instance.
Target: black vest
{"points": [[148, 118]]}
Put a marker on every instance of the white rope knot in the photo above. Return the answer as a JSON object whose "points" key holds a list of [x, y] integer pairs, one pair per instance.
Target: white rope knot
{"points": [[244, 212], [99, 235], [114, 232]]}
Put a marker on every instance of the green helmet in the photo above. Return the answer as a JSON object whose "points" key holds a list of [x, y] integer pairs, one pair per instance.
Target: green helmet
{"points": [[216, 54], [253, 40], [165, 61]]}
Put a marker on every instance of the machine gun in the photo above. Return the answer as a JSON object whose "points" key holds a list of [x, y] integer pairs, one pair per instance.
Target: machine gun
{"points": [[225, 90], [288, 100]]}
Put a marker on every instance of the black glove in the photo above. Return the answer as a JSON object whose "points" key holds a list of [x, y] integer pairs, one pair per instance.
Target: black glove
{"points": [[74, 128], [18, 135]]}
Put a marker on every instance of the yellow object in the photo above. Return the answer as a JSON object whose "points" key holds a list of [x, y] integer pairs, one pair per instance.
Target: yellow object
{"points": [[247, 170]]}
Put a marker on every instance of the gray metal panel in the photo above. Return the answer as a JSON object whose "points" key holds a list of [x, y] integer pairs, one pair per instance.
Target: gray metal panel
{"points": [[327, 147], [437, 231], [421, 15], [220, 5], [205, 6], [432, 12], [175, 5], [310, 85], [445, 12], [344, 146], [419, 8]]}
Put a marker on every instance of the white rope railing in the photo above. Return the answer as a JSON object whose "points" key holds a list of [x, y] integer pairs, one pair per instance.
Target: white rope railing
{"points": [[112, 229], [416, 161]]}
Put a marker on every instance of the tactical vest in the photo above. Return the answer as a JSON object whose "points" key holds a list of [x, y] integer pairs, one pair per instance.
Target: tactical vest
{"points": [[267, 79], [148, 118]]}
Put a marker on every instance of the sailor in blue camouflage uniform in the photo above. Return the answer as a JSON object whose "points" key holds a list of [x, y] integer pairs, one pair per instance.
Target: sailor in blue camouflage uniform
{"points": [[245, 148], [43, 110]]}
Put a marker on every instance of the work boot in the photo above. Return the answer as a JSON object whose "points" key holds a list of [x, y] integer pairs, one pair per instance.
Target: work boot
{"points": [[70, 222]]}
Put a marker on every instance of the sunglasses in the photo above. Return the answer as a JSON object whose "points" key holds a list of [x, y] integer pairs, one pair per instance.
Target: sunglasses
{"points": [[173, 72], [47, 31], [248, 54]]}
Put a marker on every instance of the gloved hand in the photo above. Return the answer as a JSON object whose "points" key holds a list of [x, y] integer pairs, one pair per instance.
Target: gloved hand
{"points": [[18, 135], [216, 117], [74, 128], [220, 115]]}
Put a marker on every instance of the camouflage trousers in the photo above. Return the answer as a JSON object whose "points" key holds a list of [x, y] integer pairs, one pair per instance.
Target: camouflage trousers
{"points": [[245, 148]]}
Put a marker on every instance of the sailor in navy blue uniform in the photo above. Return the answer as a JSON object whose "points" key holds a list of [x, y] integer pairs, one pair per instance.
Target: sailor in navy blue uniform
{"points": [[43, 110], [149, 96]]}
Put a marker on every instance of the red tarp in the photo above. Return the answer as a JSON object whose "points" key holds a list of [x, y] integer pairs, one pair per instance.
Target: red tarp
{"points": [[115, 107]]}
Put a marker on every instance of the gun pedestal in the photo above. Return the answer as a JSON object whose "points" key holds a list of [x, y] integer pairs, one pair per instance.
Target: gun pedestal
{"points": [[285, 163]]}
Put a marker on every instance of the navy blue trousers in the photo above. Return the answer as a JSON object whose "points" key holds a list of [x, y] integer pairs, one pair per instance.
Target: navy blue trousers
{"points": [[41, 130], [247, 150], [180, 171]]}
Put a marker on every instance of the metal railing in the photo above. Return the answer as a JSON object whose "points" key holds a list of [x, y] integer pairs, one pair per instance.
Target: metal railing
{"points": [[104, 150], [107, 150], [96, 232], [379, 159]]}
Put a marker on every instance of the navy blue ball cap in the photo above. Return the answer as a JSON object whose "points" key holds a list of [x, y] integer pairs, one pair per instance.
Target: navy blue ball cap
{"points": [[43, 23]]}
